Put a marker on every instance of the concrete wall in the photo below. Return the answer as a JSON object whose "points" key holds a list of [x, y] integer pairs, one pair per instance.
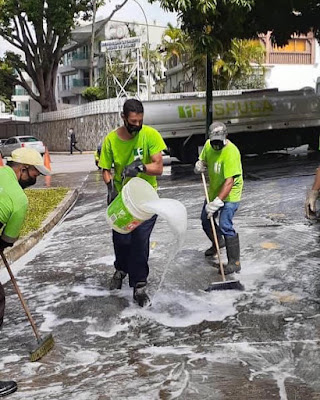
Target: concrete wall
{"points": [[90, 131], [9, 129]]}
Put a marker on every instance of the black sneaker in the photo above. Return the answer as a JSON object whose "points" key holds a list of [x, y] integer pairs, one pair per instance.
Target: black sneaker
{"points": [[140, 296], [7, 387], [116, 280]]}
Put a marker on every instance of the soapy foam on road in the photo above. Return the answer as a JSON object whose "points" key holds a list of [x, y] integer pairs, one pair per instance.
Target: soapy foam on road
{"points": [[175, 213]]}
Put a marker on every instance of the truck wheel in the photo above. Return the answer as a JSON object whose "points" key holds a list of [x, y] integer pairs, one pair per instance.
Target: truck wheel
{"points": [[190, 150]]}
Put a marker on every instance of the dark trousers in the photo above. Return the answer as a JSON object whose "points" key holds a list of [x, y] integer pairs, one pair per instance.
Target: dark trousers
{"points": [[73, 146], [2, 303], [132, 251]]}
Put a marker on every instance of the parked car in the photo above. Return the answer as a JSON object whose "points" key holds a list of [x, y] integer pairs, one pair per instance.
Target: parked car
{"points": [[16, 142]]}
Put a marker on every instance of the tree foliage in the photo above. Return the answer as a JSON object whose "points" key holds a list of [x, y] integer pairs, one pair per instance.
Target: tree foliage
{"points": [[239, 66], [7, 74], [212, 24], [39, 30]]}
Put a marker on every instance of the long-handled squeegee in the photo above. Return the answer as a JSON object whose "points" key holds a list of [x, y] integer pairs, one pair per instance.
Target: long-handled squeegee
{"points": [[44, 345], [224, 285]]}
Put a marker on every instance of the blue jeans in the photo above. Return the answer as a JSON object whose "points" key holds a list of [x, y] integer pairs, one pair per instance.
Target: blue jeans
{"points": [[225, 226], [132, 251]]}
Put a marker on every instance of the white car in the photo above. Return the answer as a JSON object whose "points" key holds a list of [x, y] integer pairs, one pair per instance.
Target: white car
{"points": [[15, 142]]}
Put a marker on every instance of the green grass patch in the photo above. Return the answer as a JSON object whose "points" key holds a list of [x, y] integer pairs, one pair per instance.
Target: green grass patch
{"points": [[41, 203]]}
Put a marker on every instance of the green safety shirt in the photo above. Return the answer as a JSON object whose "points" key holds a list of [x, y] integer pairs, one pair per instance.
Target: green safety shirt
{"points": [[13, 204], [96, 155], [222, 165], [120, 153]]}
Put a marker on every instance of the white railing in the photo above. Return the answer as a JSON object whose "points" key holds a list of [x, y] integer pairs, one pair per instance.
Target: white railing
{"points": [[115, 105], [95, 107], [172, 96]]}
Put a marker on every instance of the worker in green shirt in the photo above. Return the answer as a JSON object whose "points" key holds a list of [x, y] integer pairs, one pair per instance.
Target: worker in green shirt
{"points": [[222, 160], [96, 155], [21, 171], [133, 149]]}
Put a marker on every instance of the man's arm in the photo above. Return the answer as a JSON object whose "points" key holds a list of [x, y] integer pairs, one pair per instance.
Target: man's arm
{"points": [[226, 188], [316, 183], [106, 175], [312, 196], [155, 168]]}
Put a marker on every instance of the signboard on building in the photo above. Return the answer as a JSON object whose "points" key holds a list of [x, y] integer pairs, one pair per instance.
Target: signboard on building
{"points": [[121, 44]]}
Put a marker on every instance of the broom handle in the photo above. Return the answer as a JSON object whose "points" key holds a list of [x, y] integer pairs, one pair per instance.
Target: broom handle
{"points": [[24, 305], [213, 228]]}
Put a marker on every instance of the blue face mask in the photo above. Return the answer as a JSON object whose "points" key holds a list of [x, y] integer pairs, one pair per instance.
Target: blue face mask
{"points": [[217, 144]]}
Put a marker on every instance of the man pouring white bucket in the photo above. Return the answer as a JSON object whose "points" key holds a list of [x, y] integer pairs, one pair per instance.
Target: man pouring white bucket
{"points": [[133, 150]]}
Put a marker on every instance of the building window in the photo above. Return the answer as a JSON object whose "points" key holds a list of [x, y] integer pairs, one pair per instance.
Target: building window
{"points": [[294, 46]]}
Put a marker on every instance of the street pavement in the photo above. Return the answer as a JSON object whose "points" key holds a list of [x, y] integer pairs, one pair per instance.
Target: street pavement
{"points": [[262, 343]]}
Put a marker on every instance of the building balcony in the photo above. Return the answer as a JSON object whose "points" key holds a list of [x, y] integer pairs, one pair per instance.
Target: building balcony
{"points": [[21, 113], [20, 92], [289, 58], [66, 69], [80, 61]]}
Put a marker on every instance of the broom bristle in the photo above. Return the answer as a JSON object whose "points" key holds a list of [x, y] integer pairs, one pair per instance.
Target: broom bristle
{"points": [[44, 347], [227, 285]]}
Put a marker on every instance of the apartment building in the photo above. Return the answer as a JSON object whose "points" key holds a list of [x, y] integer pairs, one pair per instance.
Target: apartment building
{"points": [[73, 74], [290, 67]]}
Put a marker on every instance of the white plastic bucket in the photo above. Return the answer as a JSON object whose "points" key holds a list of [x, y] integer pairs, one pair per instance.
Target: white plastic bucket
{"points": [[124, 214]]}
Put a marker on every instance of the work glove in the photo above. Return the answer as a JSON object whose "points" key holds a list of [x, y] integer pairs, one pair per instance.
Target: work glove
{"points": [[4, 244], [214, 206], [112, 193], [200, 167], [133, 169], [310, 203]]}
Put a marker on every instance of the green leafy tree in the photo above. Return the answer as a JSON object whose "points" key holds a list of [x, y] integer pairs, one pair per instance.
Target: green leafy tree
{"points": [[40, 30], [235, 69], [7, 74], [212, 23]]}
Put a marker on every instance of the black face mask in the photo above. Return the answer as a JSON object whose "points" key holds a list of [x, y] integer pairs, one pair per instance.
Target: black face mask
{"points": [[217, 144], [132, 129], [24, 183]]}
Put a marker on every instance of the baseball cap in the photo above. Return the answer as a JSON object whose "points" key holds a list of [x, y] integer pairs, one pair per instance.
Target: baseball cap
{"points": [[217, 131], [28, 156]]}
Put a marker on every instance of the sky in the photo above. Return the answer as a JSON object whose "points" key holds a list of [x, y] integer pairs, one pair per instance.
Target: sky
{"points": [[131, 12]]}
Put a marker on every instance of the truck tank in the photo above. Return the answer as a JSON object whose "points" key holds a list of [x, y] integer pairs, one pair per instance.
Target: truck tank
{"points": [[257, 121]]}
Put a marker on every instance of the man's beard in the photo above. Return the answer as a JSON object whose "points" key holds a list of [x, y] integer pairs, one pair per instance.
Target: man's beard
{"points": [[24, 183]]}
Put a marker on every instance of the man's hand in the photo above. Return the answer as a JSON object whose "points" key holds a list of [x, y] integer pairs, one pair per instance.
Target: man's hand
{"points": [[112, 193], [310, 203], [4, 244], [214, 206], [133, 169], [200, 167]]}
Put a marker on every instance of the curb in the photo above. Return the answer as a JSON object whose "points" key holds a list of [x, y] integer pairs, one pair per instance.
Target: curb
{"points": [[23, 245]]}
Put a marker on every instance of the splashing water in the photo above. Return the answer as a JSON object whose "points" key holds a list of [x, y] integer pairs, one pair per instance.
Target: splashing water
{"points": [[175, 213]]}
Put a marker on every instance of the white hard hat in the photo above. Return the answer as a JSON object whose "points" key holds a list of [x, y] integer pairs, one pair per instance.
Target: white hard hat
{"points": [[28, 156]]}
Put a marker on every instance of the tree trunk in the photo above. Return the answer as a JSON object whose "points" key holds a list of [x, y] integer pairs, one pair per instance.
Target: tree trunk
{"points": [[49, 103]]}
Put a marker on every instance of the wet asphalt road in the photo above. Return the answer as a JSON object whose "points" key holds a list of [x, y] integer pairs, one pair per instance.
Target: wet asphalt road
{"points": [[262, 343]]}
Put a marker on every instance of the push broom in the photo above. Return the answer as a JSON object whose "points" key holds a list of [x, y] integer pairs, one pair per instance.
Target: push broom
{"points": [[224, 285], [44, 345]]}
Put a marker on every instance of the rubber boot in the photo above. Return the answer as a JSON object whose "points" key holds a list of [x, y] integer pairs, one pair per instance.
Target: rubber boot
{"points": [[233, 254], [212, 251], [116, 280], [140, 295], [7, 387]]}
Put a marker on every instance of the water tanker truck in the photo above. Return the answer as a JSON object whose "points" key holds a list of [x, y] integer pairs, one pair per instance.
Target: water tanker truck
{"points": [[258, 121]]}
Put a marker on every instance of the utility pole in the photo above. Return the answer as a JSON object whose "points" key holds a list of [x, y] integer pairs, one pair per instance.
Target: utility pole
{"points": [[209, 88], [94, 11]]}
